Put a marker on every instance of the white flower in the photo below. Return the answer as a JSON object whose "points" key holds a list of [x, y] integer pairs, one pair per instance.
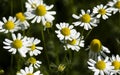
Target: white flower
{"points": [[10, 25], [65, 30], [33, 62], [100, 67], [33, 49], [97, 49], [76, 43], [18, 44], [115, 6], [22, 20], [28, 71], [115, 60], [102, 11], [39, 11], [85, 20]]}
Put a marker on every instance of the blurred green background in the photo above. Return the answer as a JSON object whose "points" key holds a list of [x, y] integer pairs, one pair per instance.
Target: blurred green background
{"points": [[108, 31]]}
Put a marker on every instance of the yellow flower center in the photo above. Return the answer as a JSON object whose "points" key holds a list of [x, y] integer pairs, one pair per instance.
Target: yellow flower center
{"points": [[9, 25], [101, 65], [17, 43], [61, 67], [86, 18], [95, 45], [48, 24], [116, 65], [41, 10], [32, 60], [65, 31], [102, 11], [20, 16], [117, 5], [72, 42], [29, 74], [33, 47]]}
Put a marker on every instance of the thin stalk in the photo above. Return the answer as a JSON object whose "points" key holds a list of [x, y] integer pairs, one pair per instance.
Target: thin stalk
{"points": [[89, 33]]}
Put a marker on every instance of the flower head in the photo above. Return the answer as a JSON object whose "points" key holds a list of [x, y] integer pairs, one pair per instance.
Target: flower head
{"points": [[10, 25], [33, 48], [85, 20], [115, 60], [102, 11], [97, 49], [65, 30], [28, 71], [76, 42], [33, 62], [38, 11], [100, 67], [18, 44], [22, 20], [114, 6]]}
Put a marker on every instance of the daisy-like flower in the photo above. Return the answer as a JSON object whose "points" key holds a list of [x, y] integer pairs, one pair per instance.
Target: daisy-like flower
{"points": [[65, 30], [22, 20], [97, 49], [100, 67], [10, 25], [85, 20], [102, 11], [115, 60], [48, 25], [33, 49], [18, 44], [33, 62], [39, 11], [76, 42], [115, 6], [28, 71]]}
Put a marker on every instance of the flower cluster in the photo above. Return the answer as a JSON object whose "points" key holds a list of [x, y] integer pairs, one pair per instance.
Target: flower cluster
{"points": [[72, 39]]}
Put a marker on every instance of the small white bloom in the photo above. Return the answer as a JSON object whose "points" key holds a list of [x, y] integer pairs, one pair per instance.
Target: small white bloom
{"points": [[22, 20], [33, 62], [65, 30], [10, 25], [85, 20], [18, 44], [38, 11], [33, 49], [102, 11], [100, 67], [115, 60], [97, 49], [76, 43], [28, 71], [115, 6]]}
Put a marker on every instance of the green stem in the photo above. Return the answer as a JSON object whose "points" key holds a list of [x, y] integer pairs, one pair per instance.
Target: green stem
{"points": [[89, 33], [11, 65]]}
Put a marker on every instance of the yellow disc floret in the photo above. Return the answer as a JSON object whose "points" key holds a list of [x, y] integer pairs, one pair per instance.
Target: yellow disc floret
{"points": [[61, 67], [72, 42], [20, 16], [102, 11], [33, 47], [32, 60], [101, 65], [41, 10], [117, 5], [17, 44], [65, 31], [9, 25], [29, 74], [116, 65], [86, 18], [95, 45], [48, 24]]}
